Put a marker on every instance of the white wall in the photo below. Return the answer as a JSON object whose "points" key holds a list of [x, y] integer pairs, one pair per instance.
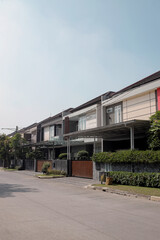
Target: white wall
{"points": [[91, 120], [34, 137], [139, 107]]}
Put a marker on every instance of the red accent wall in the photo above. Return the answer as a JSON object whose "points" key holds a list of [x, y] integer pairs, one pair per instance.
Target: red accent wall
{"points": [[158, 98], [66, 129]]}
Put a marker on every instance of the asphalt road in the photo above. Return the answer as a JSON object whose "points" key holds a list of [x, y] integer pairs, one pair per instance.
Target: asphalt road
{"points": [[62, 209]]}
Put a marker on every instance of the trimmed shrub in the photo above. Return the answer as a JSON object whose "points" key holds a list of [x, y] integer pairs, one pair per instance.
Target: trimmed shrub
{"points": [[102, 157], [62, 156], [136, 179], [45, 167], [82, 155], [127, 156], [56, 172]]}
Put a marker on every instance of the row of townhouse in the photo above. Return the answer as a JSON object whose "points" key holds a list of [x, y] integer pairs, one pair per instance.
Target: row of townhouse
{"points": [[110, 122]]}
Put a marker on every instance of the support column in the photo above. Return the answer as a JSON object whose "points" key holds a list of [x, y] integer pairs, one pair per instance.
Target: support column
{"points": [[132, 138], [53, 155], [35, 165], [101, 144], [69, 161], [68, 149], [48, 153], [94, 146]]}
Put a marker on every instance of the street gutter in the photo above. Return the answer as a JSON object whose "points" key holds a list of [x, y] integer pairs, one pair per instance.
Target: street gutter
{"points": [[123, 193]]}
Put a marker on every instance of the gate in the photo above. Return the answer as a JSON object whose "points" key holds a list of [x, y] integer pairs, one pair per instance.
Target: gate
{"points": [[1, 163], [29, 164], [82, 168]]}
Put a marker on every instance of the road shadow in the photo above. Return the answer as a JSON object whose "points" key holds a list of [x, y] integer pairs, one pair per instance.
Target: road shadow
{"points": [[8, 190]]}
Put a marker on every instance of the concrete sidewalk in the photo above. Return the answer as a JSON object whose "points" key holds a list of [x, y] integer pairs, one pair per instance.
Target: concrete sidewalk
{"points": [[75, 181]]}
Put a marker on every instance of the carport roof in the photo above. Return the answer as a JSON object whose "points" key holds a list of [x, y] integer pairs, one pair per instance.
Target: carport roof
{"points": [[114, 131]]}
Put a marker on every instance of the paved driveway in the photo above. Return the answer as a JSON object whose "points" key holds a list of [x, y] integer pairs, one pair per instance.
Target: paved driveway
{"points": [[58, 209], [79, 182]]}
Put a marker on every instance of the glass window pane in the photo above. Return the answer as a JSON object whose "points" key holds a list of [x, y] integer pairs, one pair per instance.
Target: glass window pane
{"points": [[118, 114], [51, 133]]}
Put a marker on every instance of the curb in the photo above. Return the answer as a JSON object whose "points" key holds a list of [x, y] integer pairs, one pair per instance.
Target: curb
{"points": [[123, 193], [44, 177], [41, 177], [155, 198]]}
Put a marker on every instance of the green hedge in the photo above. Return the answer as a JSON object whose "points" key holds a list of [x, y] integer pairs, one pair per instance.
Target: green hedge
{"points": [[127, 156], [82, 155], [62, 156], [136, 179]]}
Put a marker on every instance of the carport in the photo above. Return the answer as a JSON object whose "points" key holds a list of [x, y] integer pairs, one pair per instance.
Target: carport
{"points": [[129, 130]]}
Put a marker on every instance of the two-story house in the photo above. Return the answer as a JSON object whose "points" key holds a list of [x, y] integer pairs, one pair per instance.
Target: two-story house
{"points": [[128, 111], [50, 135], [80, 119], [122, 118], [29, 133]]}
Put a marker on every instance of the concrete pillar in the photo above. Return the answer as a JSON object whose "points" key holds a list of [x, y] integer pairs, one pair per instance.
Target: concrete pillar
{"points": [[48, 150], [69, 162], [35, 165], [132, 138], [94, 146], [53, 154], [103, 116], [98, 115], [68, 149], [101, 144]]}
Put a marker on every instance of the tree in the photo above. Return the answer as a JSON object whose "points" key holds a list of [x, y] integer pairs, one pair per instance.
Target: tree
{"points": [[35, 154], [5, 150], [16, 144], [154, 131]]}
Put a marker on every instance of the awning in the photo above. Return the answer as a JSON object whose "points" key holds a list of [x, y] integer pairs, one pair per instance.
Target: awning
{"points": [[113, 132]]}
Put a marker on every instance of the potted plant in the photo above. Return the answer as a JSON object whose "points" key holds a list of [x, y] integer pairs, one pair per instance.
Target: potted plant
{"points": [[109, 179], [45, 167]]}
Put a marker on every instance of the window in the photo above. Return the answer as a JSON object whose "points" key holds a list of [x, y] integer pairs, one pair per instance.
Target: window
{"points": [[51, 133], [58, 130], [109, 110], [118, 115], [82, 123], [114, 114], [91, 116]]}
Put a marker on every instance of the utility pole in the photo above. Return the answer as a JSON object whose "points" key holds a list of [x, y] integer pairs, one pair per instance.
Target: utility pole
{"points": [[14, 129]]}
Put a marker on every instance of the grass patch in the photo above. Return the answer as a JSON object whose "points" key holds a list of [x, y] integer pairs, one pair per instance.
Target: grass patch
{"points": [[134, 189], [9, 169]]}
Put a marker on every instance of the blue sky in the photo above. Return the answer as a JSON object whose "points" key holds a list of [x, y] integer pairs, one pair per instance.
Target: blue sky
{"points": [[56, 54]]}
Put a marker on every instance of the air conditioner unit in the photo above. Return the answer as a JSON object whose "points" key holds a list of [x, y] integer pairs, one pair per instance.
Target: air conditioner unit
{"points": [[109, 110]]}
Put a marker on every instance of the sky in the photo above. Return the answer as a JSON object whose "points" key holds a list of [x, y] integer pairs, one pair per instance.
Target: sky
{"points": [[57, 54]]}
